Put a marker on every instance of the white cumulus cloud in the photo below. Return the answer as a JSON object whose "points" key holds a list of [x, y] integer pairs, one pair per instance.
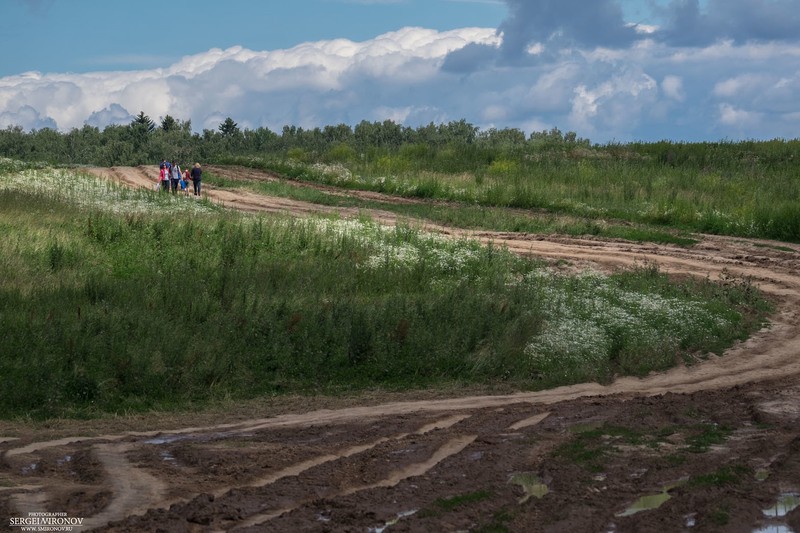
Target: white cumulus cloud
{"points": [[626, 85], [673, 88]]}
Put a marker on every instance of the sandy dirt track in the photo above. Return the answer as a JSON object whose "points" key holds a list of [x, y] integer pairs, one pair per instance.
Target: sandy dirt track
{"points": [[403, 464]]}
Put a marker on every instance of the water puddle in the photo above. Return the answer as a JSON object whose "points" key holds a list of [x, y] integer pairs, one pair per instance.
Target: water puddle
{"points": [[646, 503], [168, 457], [787, 502], [778, 528], [392, 522], [205, 437], [166, 440], [531, 484], [762, 474], [651, 501]]}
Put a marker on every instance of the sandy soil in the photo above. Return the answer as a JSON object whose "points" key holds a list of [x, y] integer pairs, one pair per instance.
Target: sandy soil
{"points": [[718, 441]]}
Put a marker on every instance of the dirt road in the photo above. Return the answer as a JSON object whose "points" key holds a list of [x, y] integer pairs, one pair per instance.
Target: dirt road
{"points": [[717, 442]]}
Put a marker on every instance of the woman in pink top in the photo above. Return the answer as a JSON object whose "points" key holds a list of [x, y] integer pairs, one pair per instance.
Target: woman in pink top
{"points": [[164, 179]]}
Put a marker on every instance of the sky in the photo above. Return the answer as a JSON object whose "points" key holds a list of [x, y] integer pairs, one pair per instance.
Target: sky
{"points": [[610, 70]]}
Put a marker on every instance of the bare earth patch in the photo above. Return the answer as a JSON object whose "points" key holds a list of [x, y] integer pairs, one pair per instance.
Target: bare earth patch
{"points": [[717, 444]]}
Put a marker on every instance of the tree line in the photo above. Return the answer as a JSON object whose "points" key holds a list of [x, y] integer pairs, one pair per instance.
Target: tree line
{"points": [[456, 145], [144, 141]]}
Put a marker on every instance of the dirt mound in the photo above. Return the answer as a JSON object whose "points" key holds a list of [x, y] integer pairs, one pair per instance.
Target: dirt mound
{"points": [[716, 444]]}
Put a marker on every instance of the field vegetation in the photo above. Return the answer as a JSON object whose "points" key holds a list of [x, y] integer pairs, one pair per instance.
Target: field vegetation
{"points": [[748, 189], [114, 300], [461, 214]]}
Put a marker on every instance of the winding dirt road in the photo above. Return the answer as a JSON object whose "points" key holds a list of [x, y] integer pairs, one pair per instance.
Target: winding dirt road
{"points": [[447, 461]]}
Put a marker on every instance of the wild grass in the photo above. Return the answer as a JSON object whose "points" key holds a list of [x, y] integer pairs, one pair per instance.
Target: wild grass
{"points": [[120, 302], [744, 195], [469, 216]]}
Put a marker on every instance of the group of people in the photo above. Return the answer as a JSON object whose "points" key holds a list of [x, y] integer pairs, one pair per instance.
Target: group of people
{"points": [[171, 177]]}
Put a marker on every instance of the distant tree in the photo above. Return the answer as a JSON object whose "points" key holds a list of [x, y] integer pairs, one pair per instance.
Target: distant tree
{"points": [[428, 135], [169, 124], [341, 133], [84, 145], [143, 123], [260, 139], [386, 134], [556, 139], [458, 132], [228, 127], [141, 127], [503, 139]]}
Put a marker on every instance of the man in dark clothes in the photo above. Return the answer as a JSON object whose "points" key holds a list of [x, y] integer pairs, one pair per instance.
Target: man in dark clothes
{"points": [[196, 176]]}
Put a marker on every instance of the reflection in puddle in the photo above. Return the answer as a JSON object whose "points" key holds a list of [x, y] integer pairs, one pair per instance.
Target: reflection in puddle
{"points": [[166, 456], [778, 528], [646, 503], [166, 440], [787, 502], [205, 437], [652, 501], [531, 484]]}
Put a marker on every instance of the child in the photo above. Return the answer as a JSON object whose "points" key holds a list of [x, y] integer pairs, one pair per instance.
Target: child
{"points": [[186, 177]]}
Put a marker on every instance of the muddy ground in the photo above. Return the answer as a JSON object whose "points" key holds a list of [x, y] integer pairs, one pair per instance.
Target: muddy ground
{"points": [[716, 445]]}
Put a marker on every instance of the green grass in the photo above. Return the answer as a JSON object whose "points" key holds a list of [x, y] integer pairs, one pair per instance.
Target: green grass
{"points": [[741, 197], [461, 500], [467, 215], [122, 301], [704, 436], [724, 476], [497, 523], [447, 505], [720, 515], [590, 447]]}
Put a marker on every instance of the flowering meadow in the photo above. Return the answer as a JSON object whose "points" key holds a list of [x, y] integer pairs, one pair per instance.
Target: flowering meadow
{"points": [[114, 300]]}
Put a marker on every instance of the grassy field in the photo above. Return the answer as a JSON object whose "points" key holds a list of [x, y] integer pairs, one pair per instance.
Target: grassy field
{"points": [[468, 215], [114, 300], [738, 189]]}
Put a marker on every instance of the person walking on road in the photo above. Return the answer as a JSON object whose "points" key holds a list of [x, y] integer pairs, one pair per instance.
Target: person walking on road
{"points": [[187, 177], [163, 178], [175, 176], [197, 174]]}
